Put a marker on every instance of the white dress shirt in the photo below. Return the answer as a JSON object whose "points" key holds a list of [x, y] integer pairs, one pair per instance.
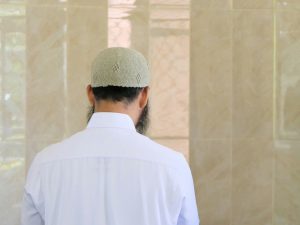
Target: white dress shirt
{"points": [[109, 174]]}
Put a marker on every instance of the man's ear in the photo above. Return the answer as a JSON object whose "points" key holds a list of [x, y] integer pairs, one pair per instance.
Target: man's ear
{"points": [[144, 95], [90, 94]]}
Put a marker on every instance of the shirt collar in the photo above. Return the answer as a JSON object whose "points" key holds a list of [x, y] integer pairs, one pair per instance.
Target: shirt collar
{"points": [[111, 120]]}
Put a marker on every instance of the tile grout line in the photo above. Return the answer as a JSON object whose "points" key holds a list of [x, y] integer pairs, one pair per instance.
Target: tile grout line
{"points": [[274, 105], [231, 141], [189, 87], [65, 72]]}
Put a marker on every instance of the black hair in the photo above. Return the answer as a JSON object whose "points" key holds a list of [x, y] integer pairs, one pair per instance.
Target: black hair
{"points": [[116, 93]]}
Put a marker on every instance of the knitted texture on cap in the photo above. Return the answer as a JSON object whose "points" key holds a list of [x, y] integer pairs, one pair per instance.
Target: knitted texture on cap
{"points": [[122, 67]]}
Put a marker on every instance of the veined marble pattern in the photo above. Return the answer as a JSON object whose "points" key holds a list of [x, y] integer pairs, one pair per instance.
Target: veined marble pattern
{"points": [[211, 80], [252, 74], [211, 168], [252, 172], [225, 92], [214, 4]]}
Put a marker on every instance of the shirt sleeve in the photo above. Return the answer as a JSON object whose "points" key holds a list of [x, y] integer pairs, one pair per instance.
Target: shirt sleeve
{"points": [[189, 212], [30, 214]]}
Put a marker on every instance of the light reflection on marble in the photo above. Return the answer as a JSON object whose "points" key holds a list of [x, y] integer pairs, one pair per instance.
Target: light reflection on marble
{"points": [[287, 143], [288, 4], [169, 63], [128, 26], [287, 183], [288, 79], [164, 31], [12, 110]]}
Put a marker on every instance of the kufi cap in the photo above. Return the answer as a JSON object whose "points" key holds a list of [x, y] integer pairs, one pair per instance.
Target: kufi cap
{"points": [[122, 67]]}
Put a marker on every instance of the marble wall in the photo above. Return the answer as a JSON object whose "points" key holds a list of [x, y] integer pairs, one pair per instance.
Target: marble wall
{"points": [[225, 92], [245, 111]]}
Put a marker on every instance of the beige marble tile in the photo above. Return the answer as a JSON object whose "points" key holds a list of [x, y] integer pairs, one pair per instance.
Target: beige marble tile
{"points": [[211, 74], [179, 145], [252, 74], [288, 80], [252, 181], [86, 36], [169, 64], [45, 99], [287, 183], [252, 4], [211, 167], [212, 4]]}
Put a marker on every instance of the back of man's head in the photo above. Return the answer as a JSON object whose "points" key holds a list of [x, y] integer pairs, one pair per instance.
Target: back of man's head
{"points": [[119, 83]]}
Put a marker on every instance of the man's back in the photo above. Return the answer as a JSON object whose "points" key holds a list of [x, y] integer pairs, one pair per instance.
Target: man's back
{"points": [[109, 174]]}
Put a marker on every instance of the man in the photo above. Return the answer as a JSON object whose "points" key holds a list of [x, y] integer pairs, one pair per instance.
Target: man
{"points": [[109, 173]]}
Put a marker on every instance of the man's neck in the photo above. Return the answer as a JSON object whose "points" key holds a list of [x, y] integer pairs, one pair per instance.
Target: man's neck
{"points": [[115, 107]]}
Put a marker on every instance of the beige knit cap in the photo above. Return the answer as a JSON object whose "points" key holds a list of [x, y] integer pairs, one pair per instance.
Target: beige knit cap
{"points": [[120, 67]]}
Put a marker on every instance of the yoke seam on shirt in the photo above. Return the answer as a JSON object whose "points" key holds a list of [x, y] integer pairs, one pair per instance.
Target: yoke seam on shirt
{"points": [[116, 157]]}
